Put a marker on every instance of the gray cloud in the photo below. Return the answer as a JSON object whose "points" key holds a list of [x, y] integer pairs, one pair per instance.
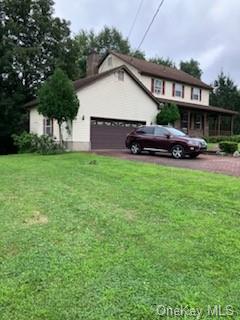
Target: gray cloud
{"points": [[207, 30]]}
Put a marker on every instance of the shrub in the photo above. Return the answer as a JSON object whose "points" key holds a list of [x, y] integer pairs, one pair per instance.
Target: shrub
{"points": [[30, 143], [235, 138], [48, 145], [168, 115], [26, 142], [228, 146]]}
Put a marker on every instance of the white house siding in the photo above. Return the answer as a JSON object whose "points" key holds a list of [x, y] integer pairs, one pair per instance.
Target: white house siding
{"points": [[147, 81], [36, 126], [105, 98]]}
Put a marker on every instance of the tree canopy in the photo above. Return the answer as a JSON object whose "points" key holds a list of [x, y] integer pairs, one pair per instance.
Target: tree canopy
{"points": [[57, 99], [106, 39], [163, 61], [191, 67], [226, 95], [33, 42]]}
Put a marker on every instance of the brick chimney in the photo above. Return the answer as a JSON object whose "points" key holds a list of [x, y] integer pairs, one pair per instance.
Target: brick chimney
{"points": [[92, 63]]}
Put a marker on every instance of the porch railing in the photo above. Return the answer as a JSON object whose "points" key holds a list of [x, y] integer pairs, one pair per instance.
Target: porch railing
{"points": [[222, 133]]}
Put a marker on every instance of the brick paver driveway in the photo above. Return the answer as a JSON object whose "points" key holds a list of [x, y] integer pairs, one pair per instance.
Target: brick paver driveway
{"points": [[225, 165]]}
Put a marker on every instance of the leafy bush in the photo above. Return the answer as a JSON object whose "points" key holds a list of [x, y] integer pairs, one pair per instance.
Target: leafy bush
{"points": [[30, 143], [26, 142], [217, 139], [228, 146], [168, 115]]}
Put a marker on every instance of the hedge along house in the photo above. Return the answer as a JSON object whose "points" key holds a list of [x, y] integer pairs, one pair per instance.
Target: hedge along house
{"points": [[122, 92], [190, 94], [112, 104]]}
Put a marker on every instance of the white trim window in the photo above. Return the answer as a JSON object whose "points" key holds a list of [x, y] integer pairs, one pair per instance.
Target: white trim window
{"points": [[178, 90], [48, 127], [158, 86], [120, 75], [109, 61], [196, 94]]}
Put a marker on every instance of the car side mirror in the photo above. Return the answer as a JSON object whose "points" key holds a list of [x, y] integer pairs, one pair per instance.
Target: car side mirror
{"points": [[168, 136]]}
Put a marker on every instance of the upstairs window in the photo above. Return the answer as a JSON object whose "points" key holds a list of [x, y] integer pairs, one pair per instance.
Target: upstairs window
{"points": [[48, 127], [178, 90], [158, 86], [120, 75], [196, 94], [109, 61]]}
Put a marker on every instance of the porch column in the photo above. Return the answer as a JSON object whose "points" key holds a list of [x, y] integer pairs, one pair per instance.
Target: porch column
{"points": [[219, 125], [206, 125], [232, 122], [189, 121]]}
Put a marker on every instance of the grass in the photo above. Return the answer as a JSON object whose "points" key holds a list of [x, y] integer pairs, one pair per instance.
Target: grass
{"points": [[113, 240]]}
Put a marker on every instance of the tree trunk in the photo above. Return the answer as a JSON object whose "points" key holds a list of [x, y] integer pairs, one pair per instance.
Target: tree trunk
{"points": [[60, 134]]}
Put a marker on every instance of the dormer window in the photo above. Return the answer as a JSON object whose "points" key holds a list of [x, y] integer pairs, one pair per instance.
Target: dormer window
{"points": [[158, 86], [120, 75], [178, 90], [109, 61], [196, 94]]}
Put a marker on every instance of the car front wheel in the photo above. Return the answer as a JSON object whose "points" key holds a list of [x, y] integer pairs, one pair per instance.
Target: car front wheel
{"points": [[135, 148], [178, 152]]}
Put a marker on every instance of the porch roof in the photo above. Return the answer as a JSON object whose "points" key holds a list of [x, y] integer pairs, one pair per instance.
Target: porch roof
{"points": [[199, 107]]}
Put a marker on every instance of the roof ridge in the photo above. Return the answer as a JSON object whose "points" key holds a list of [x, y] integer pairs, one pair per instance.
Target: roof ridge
{"points": [[175, 74]]}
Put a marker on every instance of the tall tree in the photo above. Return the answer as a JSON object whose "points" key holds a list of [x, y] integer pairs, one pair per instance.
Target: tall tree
{"points": [[226, 95], [57, 100], [192, 67], [33, 43], [163, 61], [106, 39]]}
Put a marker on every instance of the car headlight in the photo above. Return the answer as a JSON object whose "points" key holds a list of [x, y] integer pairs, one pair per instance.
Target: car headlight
{"points": [[194, 143]]}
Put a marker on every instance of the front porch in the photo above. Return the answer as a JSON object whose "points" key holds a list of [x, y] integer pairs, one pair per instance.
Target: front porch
{"points": [[202, 123]]}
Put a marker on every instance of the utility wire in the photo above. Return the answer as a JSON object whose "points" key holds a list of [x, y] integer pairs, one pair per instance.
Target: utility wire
{"points": [[148, 28], [135, 19]]}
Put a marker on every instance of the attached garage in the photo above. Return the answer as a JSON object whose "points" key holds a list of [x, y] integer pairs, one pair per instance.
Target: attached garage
{"points": [[112, 104], [111, 133]]}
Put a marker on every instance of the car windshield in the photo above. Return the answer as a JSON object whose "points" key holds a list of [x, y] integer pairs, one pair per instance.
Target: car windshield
{"points": [[176, 132]]}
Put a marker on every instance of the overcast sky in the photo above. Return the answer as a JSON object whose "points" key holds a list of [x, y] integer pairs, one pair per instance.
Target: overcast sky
{"points": [[206, 30]]}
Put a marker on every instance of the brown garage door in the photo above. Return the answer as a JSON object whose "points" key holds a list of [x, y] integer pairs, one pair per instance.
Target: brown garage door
{"points": [[111, 133]]}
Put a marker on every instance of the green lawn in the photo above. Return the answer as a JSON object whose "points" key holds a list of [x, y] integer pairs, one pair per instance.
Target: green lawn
{"points": [[113, 240]]}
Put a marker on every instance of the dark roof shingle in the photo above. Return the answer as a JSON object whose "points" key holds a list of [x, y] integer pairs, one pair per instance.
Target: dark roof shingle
{"points": [[161, 71]]}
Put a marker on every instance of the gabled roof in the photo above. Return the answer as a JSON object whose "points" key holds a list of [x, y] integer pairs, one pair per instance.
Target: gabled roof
{"points": [[160, 71], [84, 82]]}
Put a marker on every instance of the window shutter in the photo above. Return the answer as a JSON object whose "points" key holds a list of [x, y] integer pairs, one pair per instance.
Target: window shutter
{"points": [[191, 93], [163, 87], [152, 86], [200, 97], [183, 87], [173, 89]]}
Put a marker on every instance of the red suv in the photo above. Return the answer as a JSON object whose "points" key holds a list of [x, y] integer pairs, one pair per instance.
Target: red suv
{"points": [[166, 139]]}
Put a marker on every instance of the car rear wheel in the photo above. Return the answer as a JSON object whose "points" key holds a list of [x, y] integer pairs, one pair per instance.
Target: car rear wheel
{"points": [[135, 148], [178, 152]]}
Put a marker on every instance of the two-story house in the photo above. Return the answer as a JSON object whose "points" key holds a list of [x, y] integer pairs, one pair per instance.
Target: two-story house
{"points": [[122, 92], [190, 94]]}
